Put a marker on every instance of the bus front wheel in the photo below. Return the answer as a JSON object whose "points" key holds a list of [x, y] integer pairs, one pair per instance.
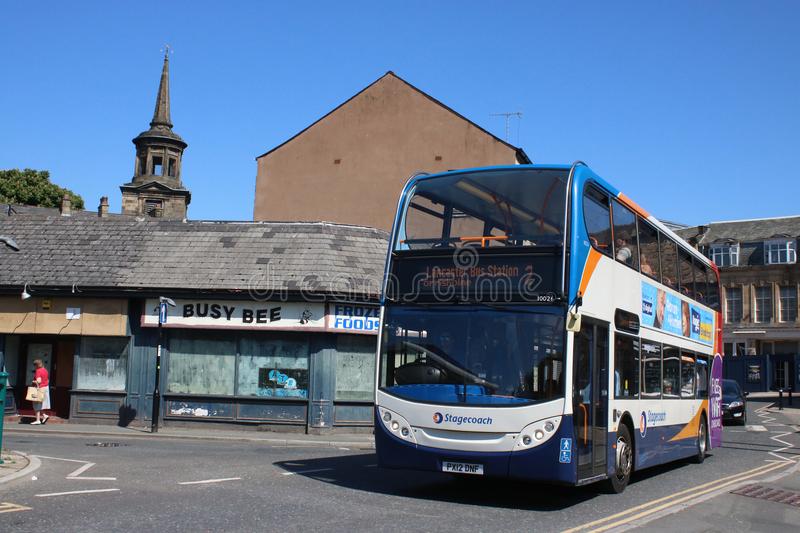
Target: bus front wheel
{"points": [[624, 460]]}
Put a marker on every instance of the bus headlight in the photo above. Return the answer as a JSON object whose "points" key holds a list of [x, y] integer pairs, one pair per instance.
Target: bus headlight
{"points": [[396, 425], [541, 431]]}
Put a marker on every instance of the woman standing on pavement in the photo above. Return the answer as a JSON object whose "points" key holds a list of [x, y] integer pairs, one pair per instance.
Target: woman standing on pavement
{"points": [[41, 379]]}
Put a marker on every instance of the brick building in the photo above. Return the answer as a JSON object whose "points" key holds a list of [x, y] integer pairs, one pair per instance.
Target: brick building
{"points": [[350, 165]]}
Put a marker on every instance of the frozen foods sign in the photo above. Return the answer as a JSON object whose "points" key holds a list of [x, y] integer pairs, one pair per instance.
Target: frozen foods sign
{"points": [[220, 314], [354, 318]]}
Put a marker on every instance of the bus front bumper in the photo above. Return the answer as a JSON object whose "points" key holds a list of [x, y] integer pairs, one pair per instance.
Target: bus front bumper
{"points": [[546, 462]]}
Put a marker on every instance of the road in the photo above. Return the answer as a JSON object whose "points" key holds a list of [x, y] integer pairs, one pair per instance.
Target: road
{"points": [[179, 485]]}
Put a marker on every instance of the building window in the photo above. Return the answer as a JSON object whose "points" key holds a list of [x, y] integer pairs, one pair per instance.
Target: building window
{"points": [[763, 304], [142, 166], [103, 363], [788, 303], [725, 255], [274, 368], [733, 305], [171, 166], [626, 367], [158, 165], [153, 208], [781, 251], [200, 364], [355, 367]]}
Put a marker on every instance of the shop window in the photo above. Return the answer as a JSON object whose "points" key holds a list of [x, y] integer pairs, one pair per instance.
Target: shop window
{"points": [[11, 358], [273, 367], [102, 363], [355, 367], [672, 372], [687, 374], [626, 367], [201, 365], [651, 370]]}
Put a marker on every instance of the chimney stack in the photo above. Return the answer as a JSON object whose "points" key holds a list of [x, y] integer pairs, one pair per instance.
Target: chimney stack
{"points": [[66, 206], [102, 210]]}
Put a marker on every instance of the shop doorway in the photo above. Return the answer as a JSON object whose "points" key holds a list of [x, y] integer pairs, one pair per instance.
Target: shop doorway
{"points": [[57, 357]]}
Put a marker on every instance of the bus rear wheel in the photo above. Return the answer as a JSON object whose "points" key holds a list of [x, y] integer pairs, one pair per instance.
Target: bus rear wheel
{"points": [[702, 441], [624, 461]]}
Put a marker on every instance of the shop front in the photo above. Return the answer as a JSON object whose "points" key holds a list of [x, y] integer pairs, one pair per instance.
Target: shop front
{"points": [[300, 366], [57, 331]]}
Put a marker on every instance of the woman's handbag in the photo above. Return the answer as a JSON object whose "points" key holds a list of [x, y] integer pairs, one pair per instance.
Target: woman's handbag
{"points": [[35, 394]]}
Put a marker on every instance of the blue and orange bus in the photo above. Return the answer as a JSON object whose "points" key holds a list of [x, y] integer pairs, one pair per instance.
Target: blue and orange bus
{"points": [[537, 323]]}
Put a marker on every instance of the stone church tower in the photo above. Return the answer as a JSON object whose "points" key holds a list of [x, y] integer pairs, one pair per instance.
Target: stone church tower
{"points": [[156, 189]]}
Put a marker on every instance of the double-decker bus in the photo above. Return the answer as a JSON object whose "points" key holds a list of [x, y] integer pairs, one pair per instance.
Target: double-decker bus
{"points": [[536, 323]]}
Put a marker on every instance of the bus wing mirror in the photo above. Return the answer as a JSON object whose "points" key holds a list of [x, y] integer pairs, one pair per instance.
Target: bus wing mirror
{"points": [[573, 321]]}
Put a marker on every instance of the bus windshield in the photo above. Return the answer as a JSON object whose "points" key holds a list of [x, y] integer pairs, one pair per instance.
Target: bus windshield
{"points": [[503, 207], [473, 354]]}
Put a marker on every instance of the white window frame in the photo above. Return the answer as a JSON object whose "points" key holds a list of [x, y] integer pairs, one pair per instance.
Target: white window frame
{"points": [[779, 246], [729, 251], [784, 309], [764, 304]]}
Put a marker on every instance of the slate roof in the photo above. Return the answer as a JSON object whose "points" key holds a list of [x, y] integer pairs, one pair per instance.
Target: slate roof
{"points": [[124, 253], [745, 230]]}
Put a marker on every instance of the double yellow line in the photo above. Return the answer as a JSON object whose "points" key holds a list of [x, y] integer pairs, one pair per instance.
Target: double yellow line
{"points": [[652, 507]]}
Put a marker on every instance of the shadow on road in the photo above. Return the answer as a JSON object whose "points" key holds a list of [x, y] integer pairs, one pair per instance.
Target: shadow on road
{"points": [[360, 472]]}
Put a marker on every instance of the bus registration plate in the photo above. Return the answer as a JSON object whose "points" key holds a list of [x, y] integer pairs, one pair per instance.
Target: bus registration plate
{"points": [[462, 468]]}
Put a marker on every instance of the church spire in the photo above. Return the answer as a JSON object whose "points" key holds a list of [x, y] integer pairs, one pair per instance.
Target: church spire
{"points": [[161, 114]]}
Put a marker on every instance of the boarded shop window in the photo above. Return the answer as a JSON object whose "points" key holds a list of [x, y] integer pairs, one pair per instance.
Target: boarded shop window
{"points": [[103, 363], [273, 367], [201, 365], [355, 367]]}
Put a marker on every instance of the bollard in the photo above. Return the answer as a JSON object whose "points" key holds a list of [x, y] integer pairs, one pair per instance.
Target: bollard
{"points": [[789, 390], [780, 399], [3, 377]]}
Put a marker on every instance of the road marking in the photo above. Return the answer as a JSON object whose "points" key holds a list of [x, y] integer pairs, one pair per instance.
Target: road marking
{"points": [[7, 507], [74, 492], [756, 427], [76, 473], [690, 493], [209, 481], [717, 488], [307, 471]]}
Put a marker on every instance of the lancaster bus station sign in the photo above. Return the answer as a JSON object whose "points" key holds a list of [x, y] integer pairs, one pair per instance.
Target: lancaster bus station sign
{"points": [[255, 315]]}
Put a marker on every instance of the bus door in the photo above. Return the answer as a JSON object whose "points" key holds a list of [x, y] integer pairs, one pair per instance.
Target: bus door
{"points": [[590, 398]]}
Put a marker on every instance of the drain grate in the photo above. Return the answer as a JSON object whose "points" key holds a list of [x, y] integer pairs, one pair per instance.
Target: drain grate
{"points": [[761, 492], [105, 444]]}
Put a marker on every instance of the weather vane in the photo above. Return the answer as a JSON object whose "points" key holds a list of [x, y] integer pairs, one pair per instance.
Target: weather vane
{"points": [[167, 50]]}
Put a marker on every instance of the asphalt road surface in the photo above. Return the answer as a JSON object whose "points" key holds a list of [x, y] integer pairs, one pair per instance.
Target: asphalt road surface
{"points": [[91, 484]]}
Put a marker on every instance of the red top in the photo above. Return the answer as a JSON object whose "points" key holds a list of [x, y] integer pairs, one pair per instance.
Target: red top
{"points": [[45, 377]]}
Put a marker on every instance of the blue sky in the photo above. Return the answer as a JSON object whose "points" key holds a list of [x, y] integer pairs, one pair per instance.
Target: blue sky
{"points": [[690, 108]]}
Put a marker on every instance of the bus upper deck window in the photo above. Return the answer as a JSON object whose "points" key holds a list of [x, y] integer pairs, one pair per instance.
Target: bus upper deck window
{"points": [[596, 214]]}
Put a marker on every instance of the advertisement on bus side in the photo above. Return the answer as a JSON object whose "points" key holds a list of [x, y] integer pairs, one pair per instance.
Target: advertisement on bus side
{"points": [[668, 312]]}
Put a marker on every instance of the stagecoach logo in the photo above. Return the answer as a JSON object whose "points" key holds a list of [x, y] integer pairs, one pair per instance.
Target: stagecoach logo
{"points": [[643, 424], [650, 418], [438, 418]]}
